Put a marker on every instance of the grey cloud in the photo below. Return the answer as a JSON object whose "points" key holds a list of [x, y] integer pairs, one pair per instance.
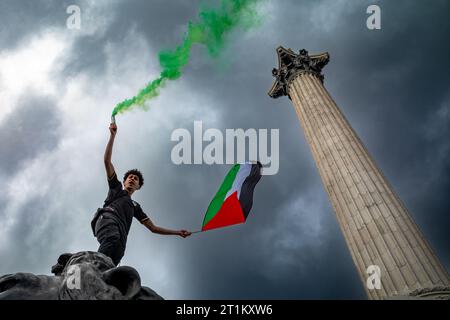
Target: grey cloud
{"points": [[23, 19], [160, 22], [30, 129], [35, 239]]}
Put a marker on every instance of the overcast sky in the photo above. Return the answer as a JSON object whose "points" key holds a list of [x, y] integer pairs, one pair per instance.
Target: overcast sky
{"points": [[58, 87]]}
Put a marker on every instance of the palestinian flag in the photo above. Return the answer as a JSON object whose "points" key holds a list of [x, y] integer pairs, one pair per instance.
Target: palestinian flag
{"points": [[232, 203]]}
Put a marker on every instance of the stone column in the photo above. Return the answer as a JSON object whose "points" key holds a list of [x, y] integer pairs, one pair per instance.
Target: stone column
{"points": [[376, 225]]}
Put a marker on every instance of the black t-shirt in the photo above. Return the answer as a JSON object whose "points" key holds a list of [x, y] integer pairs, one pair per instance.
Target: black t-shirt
{"points": [[125, 208]]}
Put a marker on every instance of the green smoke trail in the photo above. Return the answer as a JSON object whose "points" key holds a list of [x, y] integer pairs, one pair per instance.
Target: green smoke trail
{"points": [[210, 30]]}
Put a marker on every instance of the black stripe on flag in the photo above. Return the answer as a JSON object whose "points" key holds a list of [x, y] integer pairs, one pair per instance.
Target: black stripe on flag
{"points": [[246, 196]]}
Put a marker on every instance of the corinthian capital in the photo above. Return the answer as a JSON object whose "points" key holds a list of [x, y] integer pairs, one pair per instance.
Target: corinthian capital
{"points": [[291, 64]]}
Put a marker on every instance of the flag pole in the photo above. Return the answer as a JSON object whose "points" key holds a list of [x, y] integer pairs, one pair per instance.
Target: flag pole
{"points": [[196, 231]]}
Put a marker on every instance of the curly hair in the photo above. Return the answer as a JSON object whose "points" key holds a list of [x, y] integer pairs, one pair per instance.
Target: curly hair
{"points": [[137, 173]]}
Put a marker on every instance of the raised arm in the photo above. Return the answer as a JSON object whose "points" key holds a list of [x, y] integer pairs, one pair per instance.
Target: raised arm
{"points": [[155, 229], [108, 152]]}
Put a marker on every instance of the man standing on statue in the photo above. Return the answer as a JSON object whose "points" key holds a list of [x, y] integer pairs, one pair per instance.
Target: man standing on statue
{"points": [[112, 223]]}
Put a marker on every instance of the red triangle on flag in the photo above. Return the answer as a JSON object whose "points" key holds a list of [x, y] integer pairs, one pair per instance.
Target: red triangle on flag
{"points": [[230, 213]]}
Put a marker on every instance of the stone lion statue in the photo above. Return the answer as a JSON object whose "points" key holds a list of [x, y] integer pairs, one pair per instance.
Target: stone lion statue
{"points": [[84, 275]]}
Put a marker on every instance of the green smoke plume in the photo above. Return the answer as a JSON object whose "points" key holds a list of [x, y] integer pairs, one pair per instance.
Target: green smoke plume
{"points": [[210, 30]]}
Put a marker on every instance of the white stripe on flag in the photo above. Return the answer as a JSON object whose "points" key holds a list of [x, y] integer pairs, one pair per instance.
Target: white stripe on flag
{"points": [[244, 171]]}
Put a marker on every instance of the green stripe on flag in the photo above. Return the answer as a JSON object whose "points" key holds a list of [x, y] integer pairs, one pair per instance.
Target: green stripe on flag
{"points": [[219, 198]]}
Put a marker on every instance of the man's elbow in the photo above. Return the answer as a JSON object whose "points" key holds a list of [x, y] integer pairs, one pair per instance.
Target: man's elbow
{"points": [[154, 229]]}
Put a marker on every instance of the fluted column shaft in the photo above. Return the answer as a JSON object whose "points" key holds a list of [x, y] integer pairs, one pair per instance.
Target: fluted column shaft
{"points": [[376, 225]]}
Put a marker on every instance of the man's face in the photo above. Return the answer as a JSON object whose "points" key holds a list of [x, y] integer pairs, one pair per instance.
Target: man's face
{"points": [[132, 182]]}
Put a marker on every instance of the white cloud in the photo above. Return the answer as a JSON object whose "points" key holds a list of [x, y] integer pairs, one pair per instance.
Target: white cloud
{"points": [[29, 68]]}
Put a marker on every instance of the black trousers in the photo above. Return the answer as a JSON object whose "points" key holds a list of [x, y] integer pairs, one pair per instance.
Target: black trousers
{"points": [[110, 239]]}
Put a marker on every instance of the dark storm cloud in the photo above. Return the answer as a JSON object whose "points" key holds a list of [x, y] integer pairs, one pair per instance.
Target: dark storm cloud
{"points": [[30, 129]]}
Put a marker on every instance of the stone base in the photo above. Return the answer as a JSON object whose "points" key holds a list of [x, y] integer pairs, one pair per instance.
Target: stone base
{"points": [[435, 293], [84, 275]]}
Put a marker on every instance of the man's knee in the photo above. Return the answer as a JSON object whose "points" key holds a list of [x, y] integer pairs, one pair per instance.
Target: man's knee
{"points": [[110, 239], [113, 248]]}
